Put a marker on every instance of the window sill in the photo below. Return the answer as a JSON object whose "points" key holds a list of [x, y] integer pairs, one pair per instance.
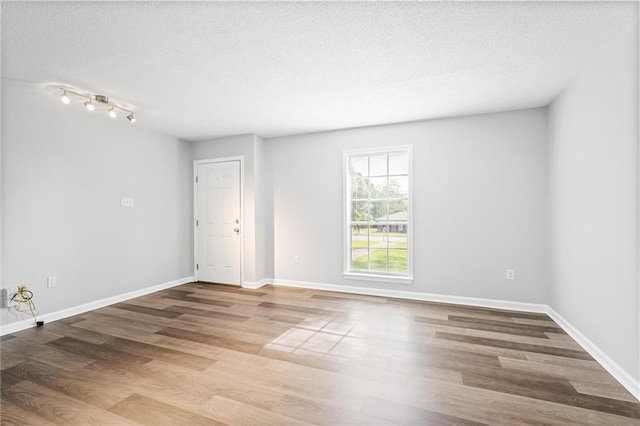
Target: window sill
{"points": [[378, 278]]}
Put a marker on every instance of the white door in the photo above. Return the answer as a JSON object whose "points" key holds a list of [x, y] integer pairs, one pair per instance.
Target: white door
{"points": [[218, 222]]}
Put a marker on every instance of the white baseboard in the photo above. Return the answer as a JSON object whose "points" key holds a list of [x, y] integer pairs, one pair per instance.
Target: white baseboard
{"points": [[624, 378], [75, 310], [413, 295], [255, 285]]}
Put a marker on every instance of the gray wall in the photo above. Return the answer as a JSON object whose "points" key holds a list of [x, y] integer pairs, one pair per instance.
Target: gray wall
{"points": [[64, 171], [593, 203], [264, 212], [479, 204]]}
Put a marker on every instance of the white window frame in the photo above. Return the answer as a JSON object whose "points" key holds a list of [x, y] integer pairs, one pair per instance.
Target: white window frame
{"points": [[376, 276]]}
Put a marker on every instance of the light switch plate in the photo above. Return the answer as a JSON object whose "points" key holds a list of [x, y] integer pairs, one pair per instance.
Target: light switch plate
{"points": [[52, 281], [126, 202]]}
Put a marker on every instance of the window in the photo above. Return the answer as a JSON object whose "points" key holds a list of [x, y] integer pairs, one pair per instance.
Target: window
{"points": [[378, 214]]}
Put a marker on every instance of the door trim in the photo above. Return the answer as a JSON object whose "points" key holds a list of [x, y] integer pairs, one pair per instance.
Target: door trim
{"points": [[195, 211]]}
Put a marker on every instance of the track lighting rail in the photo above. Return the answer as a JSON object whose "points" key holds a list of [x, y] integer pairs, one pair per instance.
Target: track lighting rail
{"points": [[92, 100]]}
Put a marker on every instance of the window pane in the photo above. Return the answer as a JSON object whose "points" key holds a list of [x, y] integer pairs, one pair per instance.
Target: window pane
{"points": [[378, 165], [398, 235], [378, 235], [360, 211], [398, 261], [378, 260], [399, 164], [398, 186], [360, 259], [378, 187], [381, 240], [398, 209], [359, 166], [359, 187], [378, 211], [359, 237]]}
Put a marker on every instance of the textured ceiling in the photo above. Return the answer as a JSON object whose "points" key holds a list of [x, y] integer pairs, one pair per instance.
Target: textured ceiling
{"points": [[200, 70]]}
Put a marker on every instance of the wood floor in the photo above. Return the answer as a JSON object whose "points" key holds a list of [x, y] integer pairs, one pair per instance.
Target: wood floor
{"points": [[211, 354]]}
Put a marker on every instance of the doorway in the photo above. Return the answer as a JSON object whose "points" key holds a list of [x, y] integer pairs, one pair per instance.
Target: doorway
{"points": [[218, 220]]}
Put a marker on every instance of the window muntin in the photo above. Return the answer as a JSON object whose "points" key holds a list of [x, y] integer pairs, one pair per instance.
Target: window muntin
{"points": [[378, 213]]}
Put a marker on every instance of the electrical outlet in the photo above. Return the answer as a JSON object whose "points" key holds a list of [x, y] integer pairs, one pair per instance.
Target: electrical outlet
{"points": [[296, 259], [511, 274], [5, 298], [52, 281], [7, 295]]}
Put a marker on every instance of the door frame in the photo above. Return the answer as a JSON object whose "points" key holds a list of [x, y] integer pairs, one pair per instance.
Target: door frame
{"points": [[195, 211]]}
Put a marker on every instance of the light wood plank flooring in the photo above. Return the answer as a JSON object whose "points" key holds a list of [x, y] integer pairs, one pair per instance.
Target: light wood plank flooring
{"points": [[210, 354]]}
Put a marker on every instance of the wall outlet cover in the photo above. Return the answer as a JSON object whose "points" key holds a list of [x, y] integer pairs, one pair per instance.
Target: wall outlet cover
{"points": [[6, 295]]}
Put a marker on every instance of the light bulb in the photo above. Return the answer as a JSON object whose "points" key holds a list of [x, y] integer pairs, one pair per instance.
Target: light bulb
{"points": [[112, 113], [64, 98], [131, 117], [89, 105]]}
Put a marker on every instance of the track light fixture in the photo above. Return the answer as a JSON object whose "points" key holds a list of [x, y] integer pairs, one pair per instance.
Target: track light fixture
{"points": [[99, 100]]}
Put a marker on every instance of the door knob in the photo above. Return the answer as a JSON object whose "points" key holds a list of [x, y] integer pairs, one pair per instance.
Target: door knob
{"points": [[236, 230]]}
